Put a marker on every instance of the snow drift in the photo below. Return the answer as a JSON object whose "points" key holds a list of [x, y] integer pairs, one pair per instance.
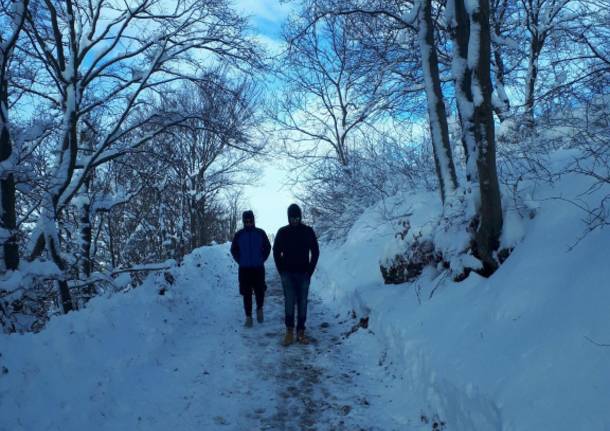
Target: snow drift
{"points": [[526, 349]]}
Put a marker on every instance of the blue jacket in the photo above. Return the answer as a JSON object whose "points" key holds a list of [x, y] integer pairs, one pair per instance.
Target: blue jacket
{"points": [[250, 247]]}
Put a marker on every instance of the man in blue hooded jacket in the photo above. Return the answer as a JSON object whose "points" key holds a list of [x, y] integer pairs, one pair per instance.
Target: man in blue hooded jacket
{"points": [[250, 249]]}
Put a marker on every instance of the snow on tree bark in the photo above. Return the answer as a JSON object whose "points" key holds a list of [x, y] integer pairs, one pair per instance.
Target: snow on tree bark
{"points": [[439, 130], [459, 26], [500, 100]]}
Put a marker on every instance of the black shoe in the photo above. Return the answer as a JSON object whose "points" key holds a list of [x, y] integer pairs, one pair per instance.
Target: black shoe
{"points": [[260, 318]]}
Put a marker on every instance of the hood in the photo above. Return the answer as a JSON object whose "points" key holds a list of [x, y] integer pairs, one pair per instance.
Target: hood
{"points": [[294, 211], [248, 215]]}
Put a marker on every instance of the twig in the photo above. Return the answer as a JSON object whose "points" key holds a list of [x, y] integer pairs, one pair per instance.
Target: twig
{"points": [[108, 276], [442, 277], [595, 342]]}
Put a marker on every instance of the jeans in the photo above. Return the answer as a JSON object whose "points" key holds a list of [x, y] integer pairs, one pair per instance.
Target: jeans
{"points": [[296, 289]]}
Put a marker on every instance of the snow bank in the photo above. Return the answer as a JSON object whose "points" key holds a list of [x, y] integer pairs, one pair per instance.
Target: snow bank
{"points": [[527, 349], [100, 368]]}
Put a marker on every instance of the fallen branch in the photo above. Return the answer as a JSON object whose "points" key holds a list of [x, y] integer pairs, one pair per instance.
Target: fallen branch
{"points": [[107, 277]]}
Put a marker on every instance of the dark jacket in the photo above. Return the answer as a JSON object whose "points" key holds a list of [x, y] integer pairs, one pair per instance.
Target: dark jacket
{"points": [[250, 247], [295, 249]]}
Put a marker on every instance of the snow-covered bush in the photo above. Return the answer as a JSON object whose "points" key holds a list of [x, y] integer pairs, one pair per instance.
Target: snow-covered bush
{"points": [[337, 195], [571, 142], [27, 311], [407, 266], [442, 239]]}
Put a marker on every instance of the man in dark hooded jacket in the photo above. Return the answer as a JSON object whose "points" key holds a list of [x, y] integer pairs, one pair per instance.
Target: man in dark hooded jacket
{"points": [[295, 252], [250, 249]]}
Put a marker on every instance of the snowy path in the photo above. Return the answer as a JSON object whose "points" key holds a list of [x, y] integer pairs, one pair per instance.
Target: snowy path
{"points": [[183, 361], [314, 387], [246, 380]]}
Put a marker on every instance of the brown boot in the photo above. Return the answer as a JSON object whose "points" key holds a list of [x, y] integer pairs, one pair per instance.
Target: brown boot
{"points": [[289, 337], [301, 338]]}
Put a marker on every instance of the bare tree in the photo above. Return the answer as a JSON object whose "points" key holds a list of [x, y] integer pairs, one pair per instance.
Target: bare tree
{"points": [[332, 92], [417, 21], [108, 57], [12, 20], [210, 153], [186, 171], [234, 200], [504, 32], [542, 19]]}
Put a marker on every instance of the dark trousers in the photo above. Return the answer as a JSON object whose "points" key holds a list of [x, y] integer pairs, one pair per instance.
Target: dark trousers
{"points": [[252, 280], [296, 290]]}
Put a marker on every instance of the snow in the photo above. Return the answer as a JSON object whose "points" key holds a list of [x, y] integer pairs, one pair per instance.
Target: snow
{"points": [[526, 349], [474, 39], [409, 15], [183, 360], [513, 228], [522, 350], [13, 281]]}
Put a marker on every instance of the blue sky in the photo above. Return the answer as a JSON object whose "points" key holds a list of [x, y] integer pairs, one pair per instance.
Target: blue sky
{"points": [[267, 14], [269, 199]]}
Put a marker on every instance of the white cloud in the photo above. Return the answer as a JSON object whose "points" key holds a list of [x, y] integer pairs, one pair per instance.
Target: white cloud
{"points": [[271, 10], [270, 197], [272, 46]]}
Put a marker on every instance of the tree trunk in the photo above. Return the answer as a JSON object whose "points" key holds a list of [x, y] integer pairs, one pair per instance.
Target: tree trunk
{"points": [[8, 219], [504, 103], [8, 213], [52, 243], [460, 32], [498, 12], [85, 231], [111, 246], [532, 76], [85, 222], [439, 130], [85, 216], [85, 236], [490, 212]]}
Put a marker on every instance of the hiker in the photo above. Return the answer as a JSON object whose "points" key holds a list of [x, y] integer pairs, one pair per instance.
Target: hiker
{"points": [[295, 252], [250, 249]]}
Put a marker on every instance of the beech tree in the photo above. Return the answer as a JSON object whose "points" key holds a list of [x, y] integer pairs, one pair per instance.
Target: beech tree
{"points": [[470, 27], [108, 60], [437, 115]]}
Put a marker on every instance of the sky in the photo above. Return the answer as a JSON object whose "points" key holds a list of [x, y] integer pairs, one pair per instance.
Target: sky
{"points": [[270, 197]]}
